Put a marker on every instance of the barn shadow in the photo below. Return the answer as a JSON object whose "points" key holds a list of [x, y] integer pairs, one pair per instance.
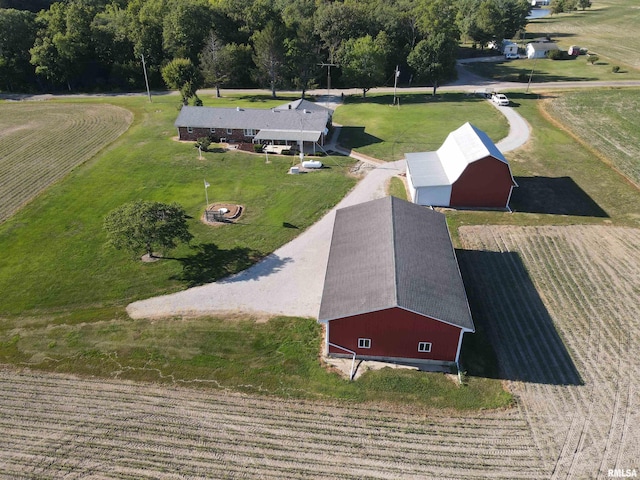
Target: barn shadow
{"points": [[554, 196], [356, 137], [515, 337]]}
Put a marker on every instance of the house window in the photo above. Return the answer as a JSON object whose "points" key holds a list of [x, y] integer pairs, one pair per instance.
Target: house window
{"points": [[229, 131], [212, 130], [250, 132], [189, 129], [364, 343], [424, 347]]}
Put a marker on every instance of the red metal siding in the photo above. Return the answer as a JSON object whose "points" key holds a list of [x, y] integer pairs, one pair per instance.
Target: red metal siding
{"points": [[395, 333], [485, 183]]}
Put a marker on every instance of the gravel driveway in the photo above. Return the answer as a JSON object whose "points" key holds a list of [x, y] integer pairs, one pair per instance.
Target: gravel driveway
{"points": [[290, 280]]}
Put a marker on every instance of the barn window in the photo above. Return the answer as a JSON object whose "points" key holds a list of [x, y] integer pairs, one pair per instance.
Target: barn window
{"points": [[424, 347], [364, 343], [189, 129]]}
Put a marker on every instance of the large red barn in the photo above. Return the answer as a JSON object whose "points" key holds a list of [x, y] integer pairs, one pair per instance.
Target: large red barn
{"points": [[467, 171], [393, 290]]}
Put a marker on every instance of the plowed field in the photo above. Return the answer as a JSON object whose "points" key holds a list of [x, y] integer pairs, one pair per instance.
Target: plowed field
{"points": [[40, 143], [559, 304]]}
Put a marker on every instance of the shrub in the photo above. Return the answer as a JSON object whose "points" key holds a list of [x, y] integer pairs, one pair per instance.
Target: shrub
{"points": [[257, 148], [615, 69], [557, 55], [203, 143], [592, 59]]}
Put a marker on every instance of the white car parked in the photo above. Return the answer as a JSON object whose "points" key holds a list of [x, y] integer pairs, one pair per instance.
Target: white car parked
{"points": [[500, 99]]}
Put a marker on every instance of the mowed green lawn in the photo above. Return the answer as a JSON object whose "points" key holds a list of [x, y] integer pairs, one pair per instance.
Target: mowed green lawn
{"points": [[546, 70], [54, 252], [421, 123]]}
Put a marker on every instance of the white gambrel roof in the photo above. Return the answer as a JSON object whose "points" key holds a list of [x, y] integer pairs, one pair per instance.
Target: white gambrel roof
{"points": [[462, 147]]}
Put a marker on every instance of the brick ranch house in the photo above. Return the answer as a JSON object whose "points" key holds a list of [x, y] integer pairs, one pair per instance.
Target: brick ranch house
{"points": [[287, 124], [393, 290], [467, 171]]}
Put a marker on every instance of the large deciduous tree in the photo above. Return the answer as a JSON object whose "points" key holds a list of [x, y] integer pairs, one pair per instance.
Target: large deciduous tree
{"points": [[181, 74], [363, 61], [434, 59], [514, 15], [63, 50], [145, 226], [185, 27], [17, 34]]}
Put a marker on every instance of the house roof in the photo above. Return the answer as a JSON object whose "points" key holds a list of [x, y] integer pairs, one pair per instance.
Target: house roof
{"points": [[462, 147], [302, 104], [293, 121], [543, 46], [391, 253]]}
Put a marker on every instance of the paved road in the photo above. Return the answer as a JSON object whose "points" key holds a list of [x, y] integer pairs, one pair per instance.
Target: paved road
{"points": [[290, 280]]}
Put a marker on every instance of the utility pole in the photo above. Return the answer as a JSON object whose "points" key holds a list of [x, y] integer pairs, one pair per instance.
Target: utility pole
{"points": [[530, 75], [328, 65], [395, 84], [146, 80]]}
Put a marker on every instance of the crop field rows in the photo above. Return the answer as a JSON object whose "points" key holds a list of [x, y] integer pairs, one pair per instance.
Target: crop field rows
{"points": [[41, 143], [565, 325], [559, 304], [609, 131], [53, 426]]}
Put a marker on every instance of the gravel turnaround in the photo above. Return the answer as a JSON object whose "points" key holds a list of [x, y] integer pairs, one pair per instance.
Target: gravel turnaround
{"points": [[287, 282]]}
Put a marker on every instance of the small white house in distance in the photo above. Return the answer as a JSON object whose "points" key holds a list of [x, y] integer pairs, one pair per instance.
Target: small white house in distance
{"points": [[509, 47], [540, 49]]}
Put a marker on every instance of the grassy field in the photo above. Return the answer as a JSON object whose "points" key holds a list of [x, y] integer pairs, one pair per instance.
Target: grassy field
{"points": [[607, 28], [41, 143], [614, 133], [55, 257], [603, 29], [546, 70], [375, 128]]}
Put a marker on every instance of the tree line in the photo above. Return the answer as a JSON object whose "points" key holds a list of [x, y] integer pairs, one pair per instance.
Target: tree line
{"points": [[98, 45]]}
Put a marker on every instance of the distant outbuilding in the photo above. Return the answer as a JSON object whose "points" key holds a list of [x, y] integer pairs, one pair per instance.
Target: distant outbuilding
{"points": [[393, 291], [540, 49], [467, 171]]}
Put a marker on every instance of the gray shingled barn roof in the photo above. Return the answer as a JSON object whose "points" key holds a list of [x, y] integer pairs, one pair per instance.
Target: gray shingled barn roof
{"points": [[391, 253]]}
